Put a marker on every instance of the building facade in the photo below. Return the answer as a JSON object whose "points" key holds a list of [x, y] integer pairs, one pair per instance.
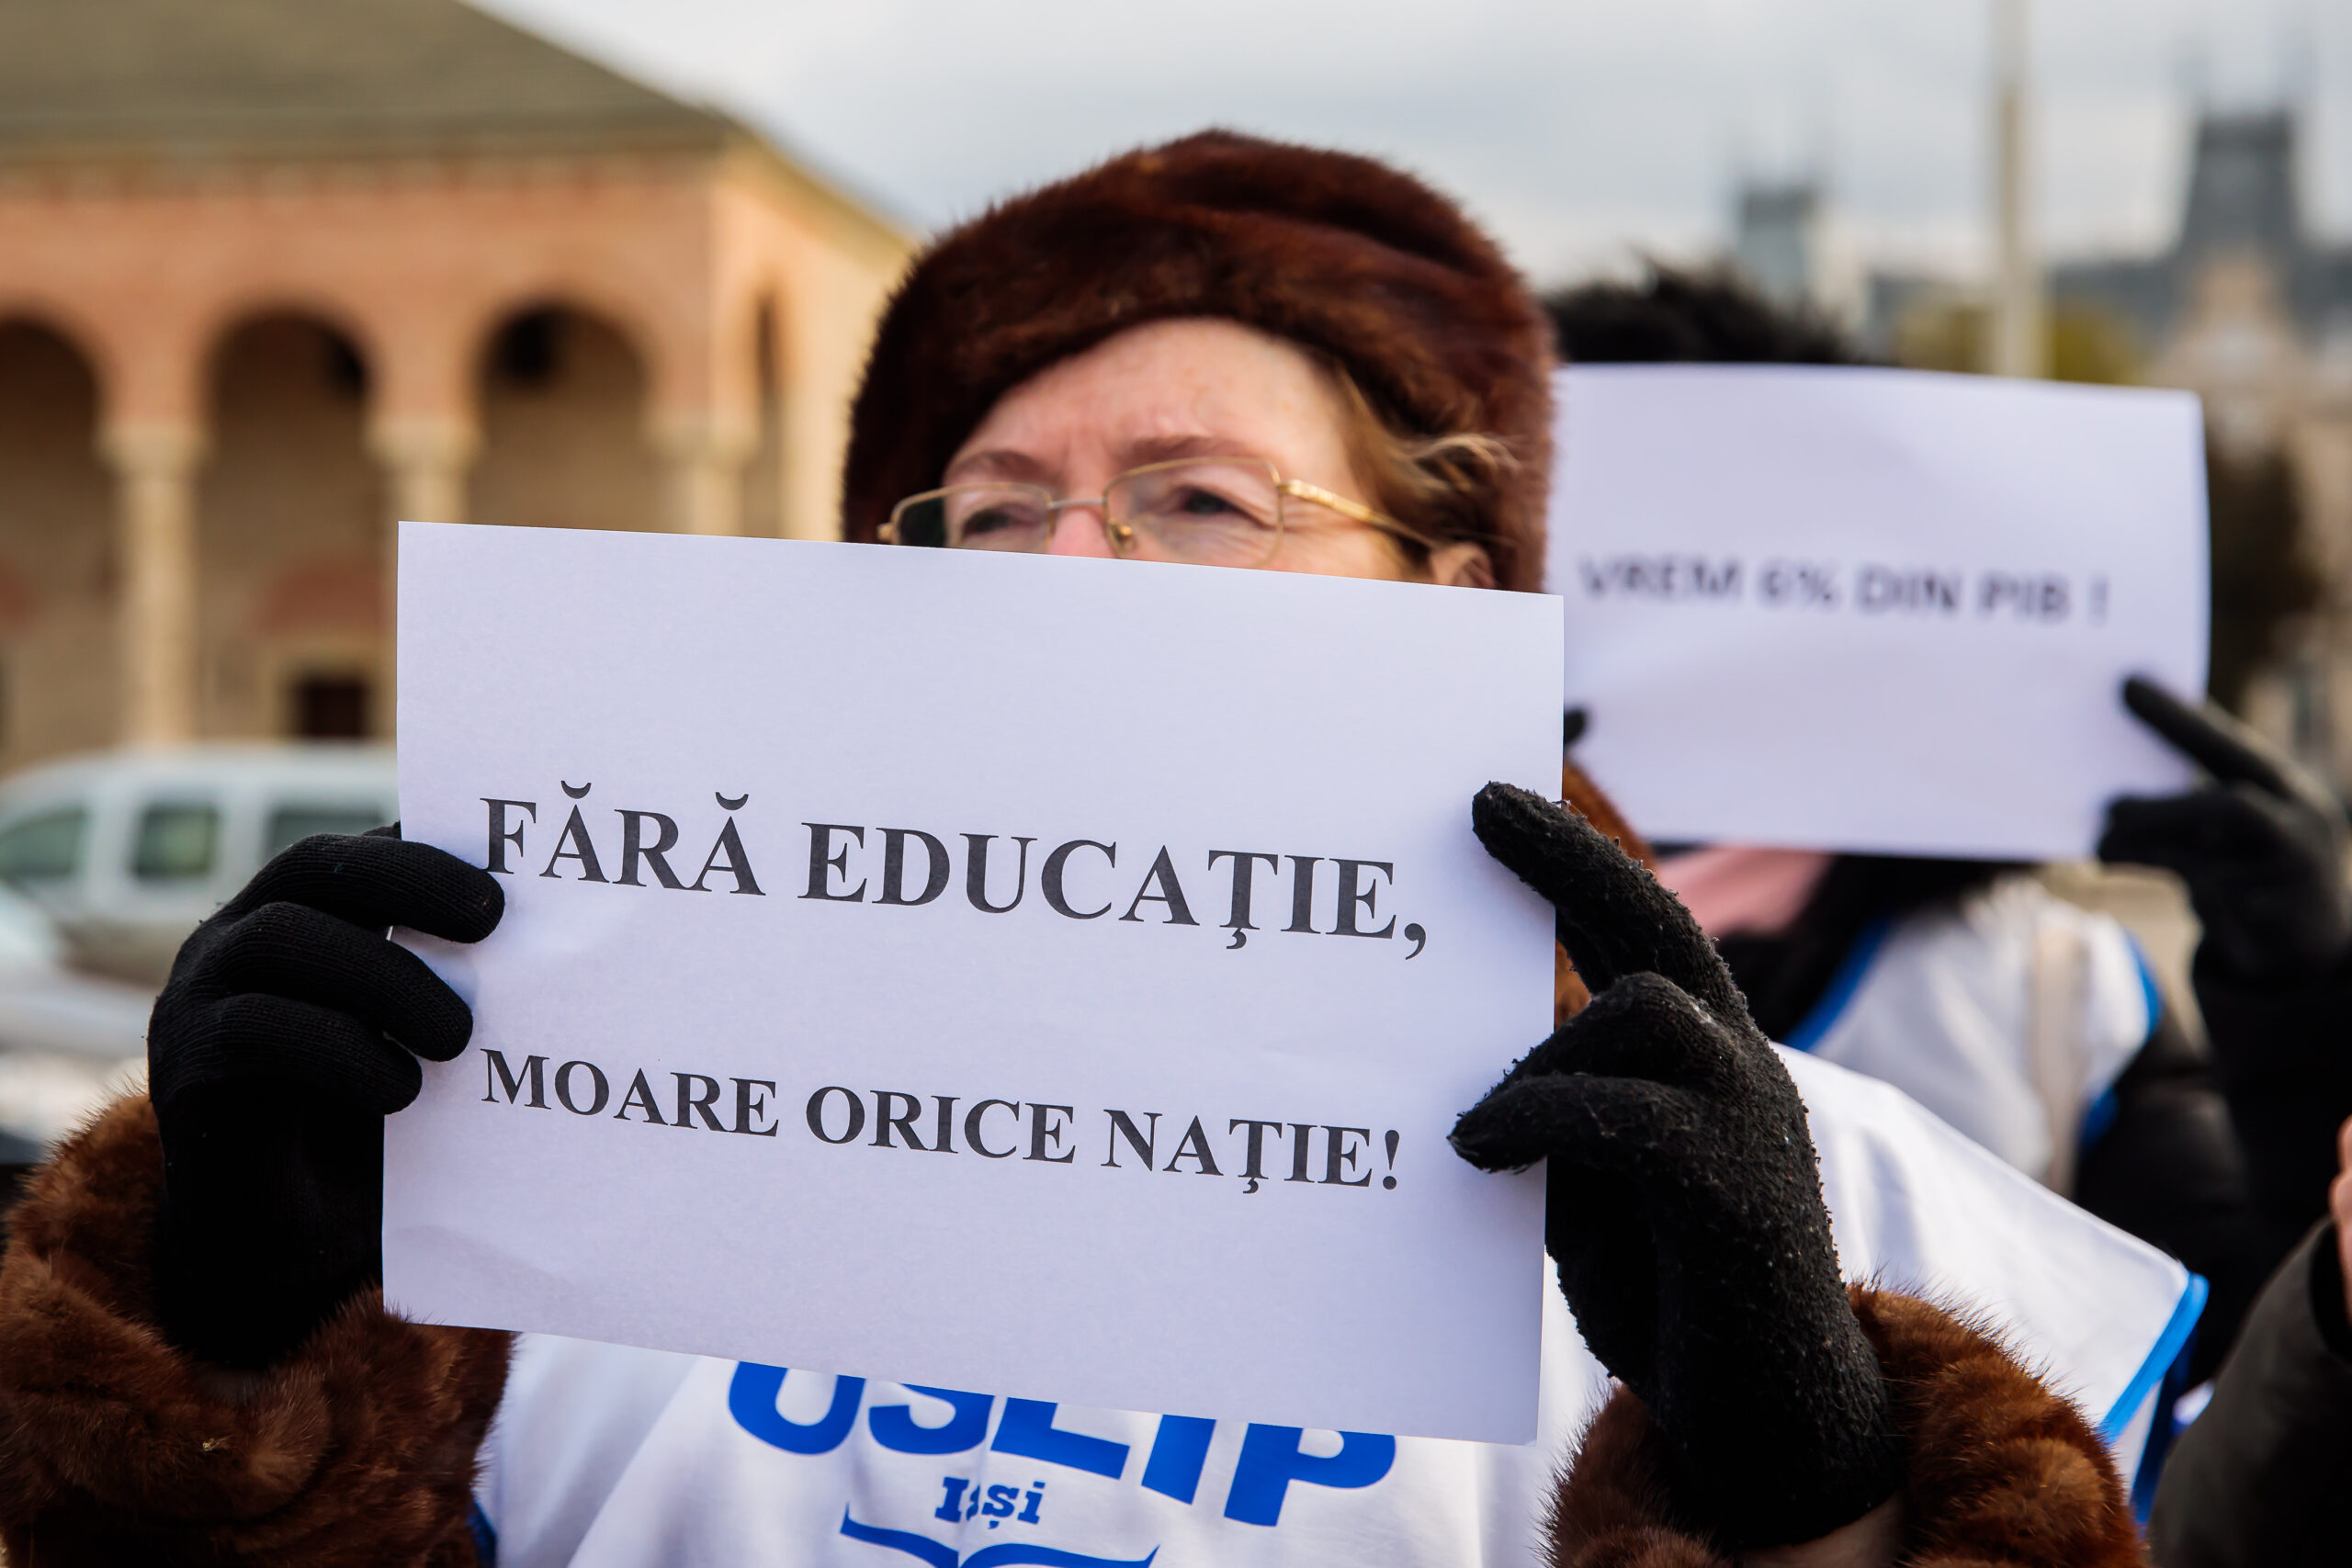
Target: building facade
{"points": [[2253, 312], [1787, 241], [2247, 307], [276, 273]]}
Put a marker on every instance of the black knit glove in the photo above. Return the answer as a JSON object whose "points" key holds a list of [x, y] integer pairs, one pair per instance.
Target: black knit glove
{"points": [[289, 1030], [1683, 1205], [2261, 847]]}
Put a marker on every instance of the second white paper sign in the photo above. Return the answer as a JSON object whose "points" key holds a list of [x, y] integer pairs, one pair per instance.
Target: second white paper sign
{"points": [[1043, 978], [1876, 609]]}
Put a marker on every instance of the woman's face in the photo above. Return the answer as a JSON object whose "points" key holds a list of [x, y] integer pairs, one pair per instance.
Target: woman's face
{"points": [[1198, 388]]}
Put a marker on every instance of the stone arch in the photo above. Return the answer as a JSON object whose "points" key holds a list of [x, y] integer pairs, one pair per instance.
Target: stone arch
{"points": [[291, 629], [57, 555], [355, 327], [663, 360], [85, 336], [563, 392]]}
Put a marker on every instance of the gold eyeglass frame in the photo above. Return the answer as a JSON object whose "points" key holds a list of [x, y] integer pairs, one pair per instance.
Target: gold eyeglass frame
{"points": [[1122, 535]]}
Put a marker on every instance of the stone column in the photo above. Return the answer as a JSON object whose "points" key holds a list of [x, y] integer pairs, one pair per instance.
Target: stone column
{"points": [[426, 462], [702, 457], [426, 459], [155, 466]]}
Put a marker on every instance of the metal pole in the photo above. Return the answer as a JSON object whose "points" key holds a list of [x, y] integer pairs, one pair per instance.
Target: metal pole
{"points": [[2016, 325]]}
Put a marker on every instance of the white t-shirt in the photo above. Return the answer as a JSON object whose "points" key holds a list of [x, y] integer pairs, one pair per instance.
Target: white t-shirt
{"points": [[603, 1456], [1940, 1004]]}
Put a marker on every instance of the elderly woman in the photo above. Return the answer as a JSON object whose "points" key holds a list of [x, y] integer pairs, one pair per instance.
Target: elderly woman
{"points": [[1222, 352]]}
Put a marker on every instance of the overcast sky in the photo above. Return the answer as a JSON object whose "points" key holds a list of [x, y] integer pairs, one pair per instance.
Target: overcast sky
{"points": [[1584, 132]]}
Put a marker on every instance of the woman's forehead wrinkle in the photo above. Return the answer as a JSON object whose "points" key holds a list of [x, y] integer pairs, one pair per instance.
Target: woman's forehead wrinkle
{"points": [[1168, 446]]}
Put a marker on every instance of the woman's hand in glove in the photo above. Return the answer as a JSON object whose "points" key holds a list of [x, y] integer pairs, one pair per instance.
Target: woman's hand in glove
{"points": [[291, 1028], [2261, 847], [1683, 1205]]}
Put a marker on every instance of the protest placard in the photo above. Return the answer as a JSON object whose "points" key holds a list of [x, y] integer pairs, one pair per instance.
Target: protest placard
{"points": [[1037, 977], [1874, 610]]}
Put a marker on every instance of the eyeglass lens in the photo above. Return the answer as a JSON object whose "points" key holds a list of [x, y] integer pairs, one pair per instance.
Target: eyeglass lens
{"points": [[1208, 513]]}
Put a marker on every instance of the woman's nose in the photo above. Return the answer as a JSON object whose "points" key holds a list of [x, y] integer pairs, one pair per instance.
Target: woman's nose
{"points": [[1078, 531]]}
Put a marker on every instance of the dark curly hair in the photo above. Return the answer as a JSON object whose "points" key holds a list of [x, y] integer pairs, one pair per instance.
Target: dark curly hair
{"points": [[1706, 318]]}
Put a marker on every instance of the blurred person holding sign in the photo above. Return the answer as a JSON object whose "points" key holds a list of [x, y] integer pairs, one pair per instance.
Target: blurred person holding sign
{"points": [[2033, 1025], [2260, 845], [1219, 352]]}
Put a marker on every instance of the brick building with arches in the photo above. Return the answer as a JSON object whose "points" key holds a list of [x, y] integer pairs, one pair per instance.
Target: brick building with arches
{"points": [[275, 273]]}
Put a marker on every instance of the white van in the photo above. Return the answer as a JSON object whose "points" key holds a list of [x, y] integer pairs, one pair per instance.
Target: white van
{"points": [[127, 851]]}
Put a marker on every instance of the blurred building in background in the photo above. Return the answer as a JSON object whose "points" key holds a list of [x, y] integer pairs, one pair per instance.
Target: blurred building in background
{"points": [[1777, 242], [2251, 310], [1786, 240], [2247, 307], [273, 272]]}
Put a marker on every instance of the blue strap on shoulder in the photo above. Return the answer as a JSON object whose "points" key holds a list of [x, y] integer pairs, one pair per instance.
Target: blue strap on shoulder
{"points": [[485, 1536], [1851, 970]]}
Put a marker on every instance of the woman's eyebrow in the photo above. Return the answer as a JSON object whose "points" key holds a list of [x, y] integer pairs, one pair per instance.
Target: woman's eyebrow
{"points": [[996, 463]]}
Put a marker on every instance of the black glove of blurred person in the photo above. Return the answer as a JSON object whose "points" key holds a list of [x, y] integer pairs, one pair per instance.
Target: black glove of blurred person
{"points": [[1684, 1205], [289, 1029], [2261, 846]]}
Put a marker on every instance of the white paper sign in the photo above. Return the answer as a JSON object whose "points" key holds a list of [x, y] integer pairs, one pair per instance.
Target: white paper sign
{"points": [[1874, 610], [1032, 976]]}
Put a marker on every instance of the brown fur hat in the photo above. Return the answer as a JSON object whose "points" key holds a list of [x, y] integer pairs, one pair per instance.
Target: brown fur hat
{"points": [[1344, 254]]}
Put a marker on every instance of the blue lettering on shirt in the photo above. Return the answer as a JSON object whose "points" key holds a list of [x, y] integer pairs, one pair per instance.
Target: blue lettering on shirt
{"points": [[1029, 1431], [1272, 1457], [750, 1399], [1178, 1453], [941, 1555], [893, 1428], [1272, 1460]]}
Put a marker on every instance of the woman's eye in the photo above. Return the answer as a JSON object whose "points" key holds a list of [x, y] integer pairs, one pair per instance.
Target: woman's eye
{"points": [[1193, 501], [992, 520]]}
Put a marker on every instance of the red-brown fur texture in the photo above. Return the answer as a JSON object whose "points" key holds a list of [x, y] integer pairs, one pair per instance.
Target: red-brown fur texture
{"points": [[1344, 254], [2002, 1470], [115, 1448]]}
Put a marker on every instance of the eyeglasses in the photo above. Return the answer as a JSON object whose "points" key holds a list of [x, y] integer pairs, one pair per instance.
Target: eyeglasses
{"points": [[1201, 510]]}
